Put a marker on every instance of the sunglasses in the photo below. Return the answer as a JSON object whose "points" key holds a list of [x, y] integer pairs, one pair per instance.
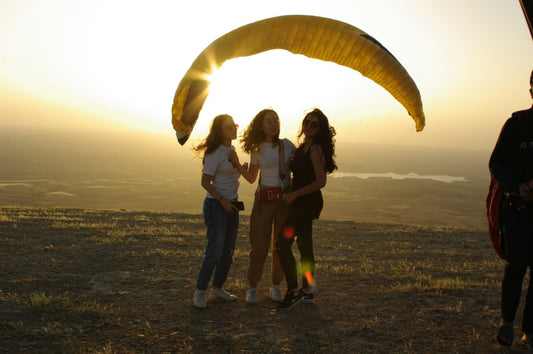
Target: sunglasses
{"points": [[311, 123]]}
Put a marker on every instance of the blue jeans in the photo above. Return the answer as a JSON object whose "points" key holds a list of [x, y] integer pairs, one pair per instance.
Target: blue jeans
{"points": [[222, 230]]}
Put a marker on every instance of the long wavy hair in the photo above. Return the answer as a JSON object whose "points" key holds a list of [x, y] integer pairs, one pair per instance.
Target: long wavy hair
{"points": [[254, 134], [324, 138], [215, 136]]}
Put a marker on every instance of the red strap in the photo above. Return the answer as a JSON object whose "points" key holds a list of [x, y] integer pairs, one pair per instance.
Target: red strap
{"points": [[492, 203]]}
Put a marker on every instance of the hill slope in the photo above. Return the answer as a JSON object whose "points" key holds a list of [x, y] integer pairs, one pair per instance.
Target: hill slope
{"points": [[82, 280]]}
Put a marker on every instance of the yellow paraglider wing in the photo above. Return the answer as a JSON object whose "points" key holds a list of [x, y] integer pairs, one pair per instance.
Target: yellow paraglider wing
{"points": [[315, 37]]}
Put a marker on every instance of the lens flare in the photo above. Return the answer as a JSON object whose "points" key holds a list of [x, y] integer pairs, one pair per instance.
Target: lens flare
{"points": [[309, 277], [307, 271], [288, 232]]}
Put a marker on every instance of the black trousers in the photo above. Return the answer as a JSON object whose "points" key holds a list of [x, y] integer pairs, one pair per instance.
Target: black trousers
{"points": [[517, 221], [297, 226]]}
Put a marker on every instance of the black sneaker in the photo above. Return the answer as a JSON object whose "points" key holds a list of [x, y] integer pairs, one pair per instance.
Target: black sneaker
{"points": [[290, 300], [308, 297]]}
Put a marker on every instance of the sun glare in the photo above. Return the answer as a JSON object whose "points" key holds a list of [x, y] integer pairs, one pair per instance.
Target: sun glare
{"points": [[244, 86], [291, 85]]}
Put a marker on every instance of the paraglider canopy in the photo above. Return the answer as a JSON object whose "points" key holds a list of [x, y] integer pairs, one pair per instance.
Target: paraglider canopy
{"points": [[315, 37], [527, 8]]}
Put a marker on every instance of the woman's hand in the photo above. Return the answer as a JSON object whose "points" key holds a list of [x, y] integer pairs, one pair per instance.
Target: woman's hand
{"points": [[526, 191], [234, 159], [289, 198], [227, 205], [248, 171]]}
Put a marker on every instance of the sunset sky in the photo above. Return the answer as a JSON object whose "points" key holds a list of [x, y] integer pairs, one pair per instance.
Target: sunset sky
{"points": [[120, 62]]}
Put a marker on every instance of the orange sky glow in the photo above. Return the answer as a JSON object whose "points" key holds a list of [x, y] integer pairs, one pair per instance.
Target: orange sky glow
{"points": [[120, 62]]}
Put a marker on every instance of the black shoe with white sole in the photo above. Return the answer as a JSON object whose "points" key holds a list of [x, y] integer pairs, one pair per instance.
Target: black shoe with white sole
{"points": [[291, 299]]}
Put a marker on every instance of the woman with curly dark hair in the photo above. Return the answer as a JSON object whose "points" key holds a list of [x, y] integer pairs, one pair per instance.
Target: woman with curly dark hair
{"points": [[311, 162], [269, 158]]}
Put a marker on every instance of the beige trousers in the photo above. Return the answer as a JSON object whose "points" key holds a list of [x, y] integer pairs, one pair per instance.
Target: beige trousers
{"points": [[266, 222]]}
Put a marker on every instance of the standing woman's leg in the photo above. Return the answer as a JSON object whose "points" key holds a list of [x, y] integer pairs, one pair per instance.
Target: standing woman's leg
{"points": [[215, 221], [260, 234], [283, 247], [229, 241], [305, 245], [281, 212]]}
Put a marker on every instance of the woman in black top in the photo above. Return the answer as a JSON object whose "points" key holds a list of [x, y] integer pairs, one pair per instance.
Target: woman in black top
{"points": [[311, 163]]}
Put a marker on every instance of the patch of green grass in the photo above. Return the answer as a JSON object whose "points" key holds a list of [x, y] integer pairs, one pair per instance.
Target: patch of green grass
{"points": [[46, 302], [43, 301]]}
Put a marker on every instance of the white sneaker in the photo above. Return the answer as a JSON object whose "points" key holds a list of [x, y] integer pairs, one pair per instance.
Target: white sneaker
{"points": [[198, 300], [218, 293], [275, 294], [251, 296]]}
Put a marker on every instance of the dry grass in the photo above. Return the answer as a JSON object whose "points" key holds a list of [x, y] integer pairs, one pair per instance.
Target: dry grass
{"points": [[85, 281]]}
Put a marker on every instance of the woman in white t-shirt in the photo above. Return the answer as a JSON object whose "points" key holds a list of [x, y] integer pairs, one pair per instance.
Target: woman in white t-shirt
{"points": [[261, 140], [220, 179]]}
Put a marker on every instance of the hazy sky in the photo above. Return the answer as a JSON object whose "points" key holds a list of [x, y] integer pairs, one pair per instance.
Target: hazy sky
{"points": [[122, 61]]}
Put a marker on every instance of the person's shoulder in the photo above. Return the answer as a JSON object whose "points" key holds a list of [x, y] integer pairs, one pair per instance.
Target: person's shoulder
{"points": [[522, 114], [518, 118], [517, 122], [216, 151], [221, 151], [288, 143], [316, 149]]}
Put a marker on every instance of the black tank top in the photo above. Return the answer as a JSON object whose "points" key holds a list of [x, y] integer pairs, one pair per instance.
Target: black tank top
{"points": [[302, 168], [303, 174]]}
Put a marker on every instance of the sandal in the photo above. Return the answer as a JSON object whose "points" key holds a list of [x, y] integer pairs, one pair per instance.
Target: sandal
{"points": [[505, 336]]}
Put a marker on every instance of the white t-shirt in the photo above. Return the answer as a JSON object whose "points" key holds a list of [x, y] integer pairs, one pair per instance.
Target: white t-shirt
{"points": [[268, 160], [226, 176]]}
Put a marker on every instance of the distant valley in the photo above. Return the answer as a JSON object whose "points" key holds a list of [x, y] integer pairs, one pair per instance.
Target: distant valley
{"points": [[141, 171]]}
